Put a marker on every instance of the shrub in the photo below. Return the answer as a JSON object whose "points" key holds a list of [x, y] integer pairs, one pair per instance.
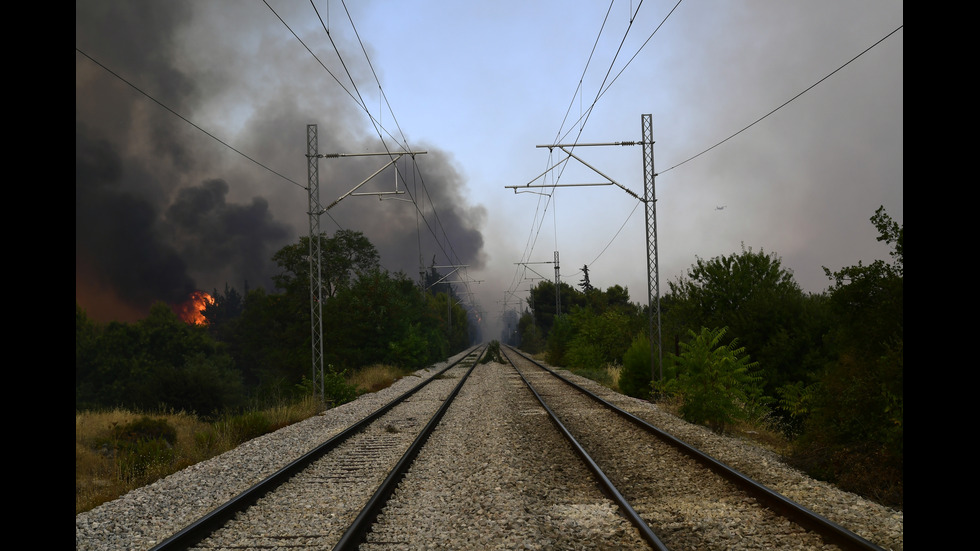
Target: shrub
{"points": [[601, 376], [634, 378], [336, 389], [559, 338], [244, 426], [143, 429], [714, 381], [493, 353], [142, 445], [412, 351]]}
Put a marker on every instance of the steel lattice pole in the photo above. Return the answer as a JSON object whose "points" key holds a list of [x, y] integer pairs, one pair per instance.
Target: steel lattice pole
{"points": [[653, 269], [557, 288], [316, 295]]}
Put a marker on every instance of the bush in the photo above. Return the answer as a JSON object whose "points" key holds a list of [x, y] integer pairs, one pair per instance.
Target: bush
{"points": [[559, 338], [601, 376], [144, 429], [634, 378], [142, 445], [493, 353], [412, 351], [714, 381], [530, 335], [336, 389], [247, 426]]}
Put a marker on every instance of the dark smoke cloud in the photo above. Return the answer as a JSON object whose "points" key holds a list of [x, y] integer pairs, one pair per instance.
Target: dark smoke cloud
{"points": [[215, 237], [161, 209], [117, 237]]}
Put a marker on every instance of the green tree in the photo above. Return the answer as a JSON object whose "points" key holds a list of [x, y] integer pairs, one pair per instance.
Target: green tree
{"points": [[542, 303], [223, 313], [342, 258], [451, 319], [854, 413], [531, 340], [559, 338], [585, 283], [715, 381], [762, 306], [599, 339], [271, 343], [158, 362], [379, 318]]}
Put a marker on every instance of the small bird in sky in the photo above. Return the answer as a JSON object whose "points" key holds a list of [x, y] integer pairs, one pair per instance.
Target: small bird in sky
{"points": [[721, 207]]}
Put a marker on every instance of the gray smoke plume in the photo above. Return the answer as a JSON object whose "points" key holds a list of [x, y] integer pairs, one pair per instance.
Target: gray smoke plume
{"points": [[162, 207]]}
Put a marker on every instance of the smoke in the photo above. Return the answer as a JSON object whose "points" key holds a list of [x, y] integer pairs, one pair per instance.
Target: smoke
{"points": [[163, 208]]}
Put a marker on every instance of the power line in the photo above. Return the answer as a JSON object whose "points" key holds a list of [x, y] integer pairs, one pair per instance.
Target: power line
{"points": [[183, 118], [760, 119], [787, 102], [452, 256], [601, 90]]}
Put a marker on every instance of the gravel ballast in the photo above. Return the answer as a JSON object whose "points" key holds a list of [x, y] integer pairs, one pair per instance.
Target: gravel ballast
{"points": [[493, 492]]}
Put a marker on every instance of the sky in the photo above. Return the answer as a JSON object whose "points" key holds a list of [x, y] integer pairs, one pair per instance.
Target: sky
{"points": [[778, 127]]}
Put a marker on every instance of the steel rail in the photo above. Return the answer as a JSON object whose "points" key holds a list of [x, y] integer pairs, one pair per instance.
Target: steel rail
{"points": [[605, 484], [356, 533], [786, 507], [206, 525]]}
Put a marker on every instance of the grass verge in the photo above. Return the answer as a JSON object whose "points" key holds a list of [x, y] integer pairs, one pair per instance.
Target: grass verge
{"points": [[117, 451]]}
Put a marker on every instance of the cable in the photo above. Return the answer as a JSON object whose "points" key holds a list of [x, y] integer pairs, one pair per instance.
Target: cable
{"points": [[451, 255], [635, 206], [787, 102], [602, 86], [613, 81], [185, 119]]}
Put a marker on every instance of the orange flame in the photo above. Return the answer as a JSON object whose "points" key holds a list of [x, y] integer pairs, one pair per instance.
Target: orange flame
{"points": [[192, 310]]}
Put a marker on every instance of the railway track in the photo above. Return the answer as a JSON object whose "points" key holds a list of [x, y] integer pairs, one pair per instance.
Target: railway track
{"points": [[470, 459], [326, 498], [681, 498]]}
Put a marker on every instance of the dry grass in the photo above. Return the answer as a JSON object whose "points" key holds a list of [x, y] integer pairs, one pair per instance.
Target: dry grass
{"points": [[614, 371], [98, 475], [375, 377], [103, 473], [100, 469]]}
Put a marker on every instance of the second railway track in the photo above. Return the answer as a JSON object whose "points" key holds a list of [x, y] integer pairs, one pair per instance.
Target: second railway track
{"points": [[687, 499]]}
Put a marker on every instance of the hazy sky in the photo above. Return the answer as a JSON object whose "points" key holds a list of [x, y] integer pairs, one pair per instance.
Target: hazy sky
{"points": [[191, 135]]}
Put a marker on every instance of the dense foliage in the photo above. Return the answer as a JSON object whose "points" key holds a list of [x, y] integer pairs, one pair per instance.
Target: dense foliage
{"points": [[853, 413], [158, 362], [739, 336], [256, 348], [741, 340]]}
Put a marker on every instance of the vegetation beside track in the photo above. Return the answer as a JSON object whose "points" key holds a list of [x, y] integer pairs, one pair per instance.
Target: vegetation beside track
{"points": [[120, 450], [743, 344]]}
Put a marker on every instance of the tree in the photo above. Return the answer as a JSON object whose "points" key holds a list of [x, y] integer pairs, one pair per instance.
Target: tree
{"points": [[599, 339], [529, 333], [585, 283], [762, 306], [854, 413], [271, 343], [559, 338], [381, 317], [158, 362], [223, 313], [342, 257], [542, 303]]}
